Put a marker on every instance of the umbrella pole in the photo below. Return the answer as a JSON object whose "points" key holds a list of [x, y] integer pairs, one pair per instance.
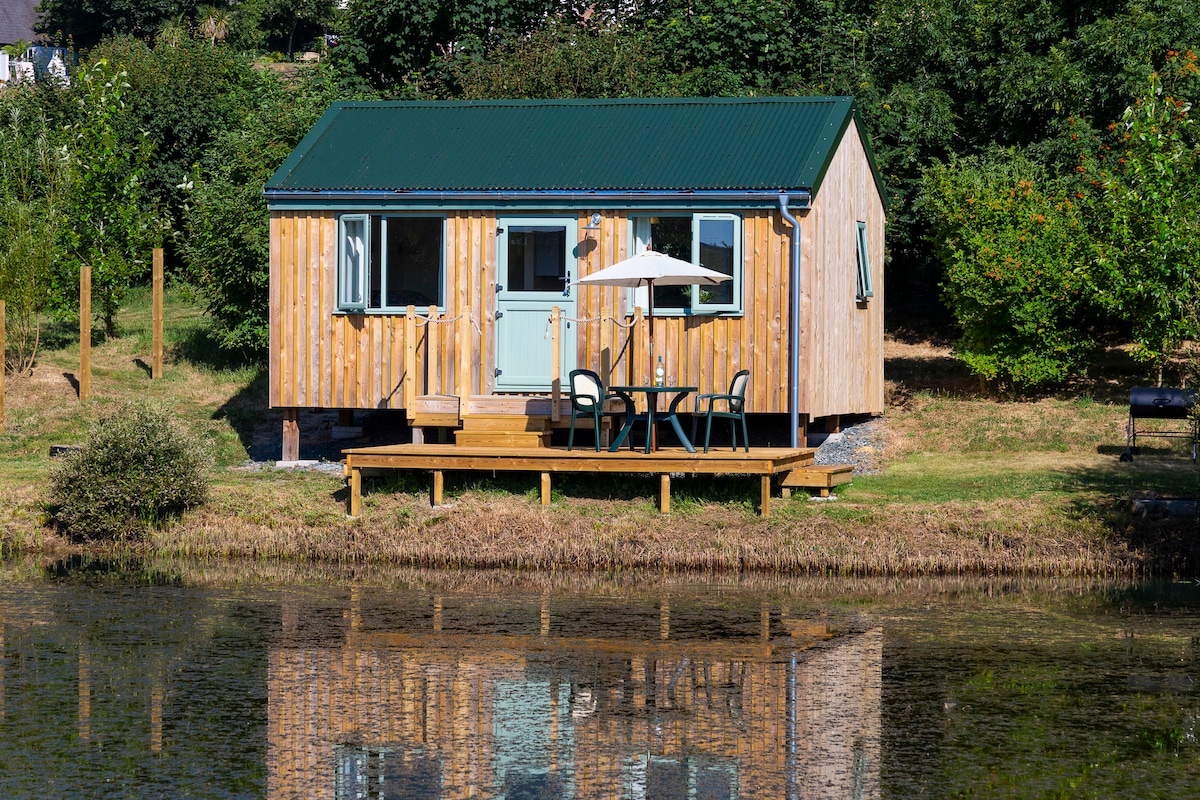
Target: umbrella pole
{"points": [[653, 432]]}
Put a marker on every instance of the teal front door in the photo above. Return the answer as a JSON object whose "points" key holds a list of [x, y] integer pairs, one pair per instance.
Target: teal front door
{"points": [[536, 264]]}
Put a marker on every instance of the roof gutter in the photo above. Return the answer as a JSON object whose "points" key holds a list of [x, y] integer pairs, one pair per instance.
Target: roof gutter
{"points": [[583, 197], [793, 324]]}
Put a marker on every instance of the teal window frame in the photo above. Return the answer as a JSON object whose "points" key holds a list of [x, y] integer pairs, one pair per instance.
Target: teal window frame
{"points": [[863, 289], [354, 262], [641, 242]]}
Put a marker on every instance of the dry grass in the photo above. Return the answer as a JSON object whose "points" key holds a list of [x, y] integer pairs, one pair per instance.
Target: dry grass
{"points": [[971, 485]]}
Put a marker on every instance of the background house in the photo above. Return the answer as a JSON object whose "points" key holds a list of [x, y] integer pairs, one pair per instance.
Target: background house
{"points": [[17, 18], [419, 251]]}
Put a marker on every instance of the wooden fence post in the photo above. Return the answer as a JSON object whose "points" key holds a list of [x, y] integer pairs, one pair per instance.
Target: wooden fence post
{"points": [[465, 358], [85, 332], [433, 353], [556, 364], [410, 360], [156, 293]]}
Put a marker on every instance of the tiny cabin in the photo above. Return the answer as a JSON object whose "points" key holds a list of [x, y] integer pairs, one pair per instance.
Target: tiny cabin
{"points": [[424, 256]]}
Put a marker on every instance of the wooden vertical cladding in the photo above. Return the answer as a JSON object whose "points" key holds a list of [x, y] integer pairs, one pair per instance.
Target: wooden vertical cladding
{"points": [[843, 357], [324, 358], [321, 357]]}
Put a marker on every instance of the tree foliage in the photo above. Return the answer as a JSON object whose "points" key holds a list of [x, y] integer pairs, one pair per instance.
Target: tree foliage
{"points": [[87, 22], [1016, 254], [34, 180], [109, 228], [1146, 205], [226, 242]]}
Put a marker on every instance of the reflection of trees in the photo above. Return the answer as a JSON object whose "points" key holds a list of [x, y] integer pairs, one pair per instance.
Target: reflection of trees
{"points": [[1027, 695], [97, 677]]}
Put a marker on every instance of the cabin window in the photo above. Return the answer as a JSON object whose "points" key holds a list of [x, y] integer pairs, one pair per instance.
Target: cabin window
{"points": [[863, 290], [713, 241], [387, 263]]}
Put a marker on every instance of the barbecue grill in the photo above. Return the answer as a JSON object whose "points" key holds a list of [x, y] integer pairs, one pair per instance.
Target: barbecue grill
{"points": [[1147, 402]]}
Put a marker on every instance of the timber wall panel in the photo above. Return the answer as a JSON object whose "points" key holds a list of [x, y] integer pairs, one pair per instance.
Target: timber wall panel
{"points": [[845, 362], [320, 358]]}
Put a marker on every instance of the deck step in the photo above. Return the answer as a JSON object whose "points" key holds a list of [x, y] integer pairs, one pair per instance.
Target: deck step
{"points": [[505, 439], [531, 405], [822, 477], [514, 423], [435, 411]]}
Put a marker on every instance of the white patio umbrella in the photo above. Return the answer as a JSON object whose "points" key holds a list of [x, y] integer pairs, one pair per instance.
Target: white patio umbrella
{"points": [[651, 268]]}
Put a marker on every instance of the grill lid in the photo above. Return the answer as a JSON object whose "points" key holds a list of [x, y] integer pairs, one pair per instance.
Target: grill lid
{"points": [[1150, 402]]}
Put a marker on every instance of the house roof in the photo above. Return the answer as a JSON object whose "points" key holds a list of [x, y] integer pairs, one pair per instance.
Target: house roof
{"points": [[17, 18], [660, 145]]}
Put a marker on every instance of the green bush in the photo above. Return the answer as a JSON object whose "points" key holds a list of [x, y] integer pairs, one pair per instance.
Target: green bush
{"points": [[1016, 259], [137, 469]]}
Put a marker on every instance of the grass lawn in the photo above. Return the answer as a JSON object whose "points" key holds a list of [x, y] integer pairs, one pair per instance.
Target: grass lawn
{"points": [[969, 483]]}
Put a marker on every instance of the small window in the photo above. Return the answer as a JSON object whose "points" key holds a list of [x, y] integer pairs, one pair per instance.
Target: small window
{"points": [[864, 289], [390, 262], [710, 240]]}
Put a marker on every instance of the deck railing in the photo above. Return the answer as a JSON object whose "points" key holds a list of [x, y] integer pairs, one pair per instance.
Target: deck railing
{"points": [[425, 371]]}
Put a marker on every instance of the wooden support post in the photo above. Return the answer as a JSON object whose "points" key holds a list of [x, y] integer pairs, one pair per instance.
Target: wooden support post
{"points": [[410, 360], [3, 360], [786, 492], [439, 488], [764, 504], [85, 332], [545, 488], [433, 354], [291, 435], [556, 364], [664, 493], [156, 304], [355, 492]]}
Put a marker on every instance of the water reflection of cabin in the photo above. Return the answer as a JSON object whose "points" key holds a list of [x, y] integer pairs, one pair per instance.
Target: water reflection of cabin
{"points": [[418, 251], [446, 714]]}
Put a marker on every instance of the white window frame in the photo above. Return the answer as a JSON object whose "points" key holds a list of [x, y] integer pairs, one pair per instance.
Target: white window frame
{"points": [[352, 276], [347, 302], [641, 243], [863, 288]]}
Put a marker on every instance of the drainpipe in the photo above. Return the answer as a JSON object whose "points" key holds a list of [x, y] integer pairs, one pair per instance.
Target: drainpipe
{"points": [[793, 327]]}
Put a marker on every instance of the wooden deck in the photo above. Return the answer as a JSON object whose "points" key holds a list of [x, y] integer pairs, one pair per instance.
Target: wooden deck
{"points": [[774, 465]]}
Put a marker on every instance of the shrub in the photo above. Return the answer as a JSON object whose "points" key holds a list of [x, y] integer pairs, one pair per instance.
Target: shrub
{"points": [[137, 469], [1015, 254]]}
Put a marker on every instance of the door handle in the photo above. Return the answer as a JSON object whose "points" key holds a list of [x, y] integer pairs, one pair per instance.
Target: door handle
{"points": [[499, 315]]}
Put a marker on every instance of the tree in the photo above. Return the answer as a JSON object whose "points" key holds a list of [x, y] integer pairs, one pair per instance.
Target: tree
{"points": [[227, 244], [180, 98], [34, 177], [109, 228], [1015, 253], [86, 22], [212, 23], [1145, 209]]}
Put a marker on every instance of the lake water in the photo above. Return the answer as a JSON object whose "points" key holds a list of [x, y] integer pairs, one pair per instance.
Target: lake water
{"points": [[177, 681]]}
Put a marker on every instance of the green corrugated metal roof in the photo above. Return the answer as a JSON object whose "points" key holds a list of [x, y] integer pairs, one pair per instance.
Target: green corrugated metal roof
{"points": [[688, 144]]}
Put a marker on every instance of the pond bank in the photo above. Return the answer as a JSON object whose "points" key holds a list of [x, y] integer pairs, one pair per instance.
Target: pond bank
{"points": [[486, 527]]}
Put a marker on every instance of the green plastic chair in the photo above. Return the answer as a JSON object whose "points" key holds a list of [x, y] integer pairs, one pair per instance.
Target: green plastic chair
{"points": [[587, 400], [735, 403]]}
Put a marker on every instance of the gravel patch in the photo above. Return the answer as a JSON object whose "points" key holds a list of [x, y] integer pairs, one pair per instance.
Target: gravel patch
{"points": [[860, 446]]}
